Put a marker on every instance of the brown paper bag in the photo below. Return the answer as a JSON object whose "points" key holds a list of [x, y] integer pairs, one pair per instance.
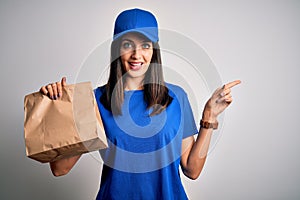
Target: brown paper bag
{"points": [[69, 126]]}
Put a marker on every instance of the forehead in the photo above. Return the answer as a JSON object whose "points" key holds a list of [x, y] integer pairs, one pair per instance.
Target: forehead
{"points": [[135, 37]]}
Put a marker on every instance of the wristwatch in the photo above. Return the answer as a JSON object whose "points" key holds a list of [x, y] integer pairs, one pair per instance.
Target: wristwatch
{"points": [[208, 125]]}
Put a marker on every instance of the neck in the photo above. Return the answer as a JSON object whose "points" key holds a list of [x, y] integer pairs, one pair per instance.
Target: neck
{"points": [[132, 83]]}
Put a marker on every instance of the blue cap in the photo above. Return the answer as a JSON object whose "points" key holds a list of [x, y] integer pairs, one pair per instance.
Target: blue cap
{"points": [[136, 20]]}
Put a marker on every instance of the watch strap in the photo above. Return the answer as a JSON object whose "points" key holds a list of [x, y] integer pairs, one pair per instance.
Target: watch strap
{"points": [[208, 125]]}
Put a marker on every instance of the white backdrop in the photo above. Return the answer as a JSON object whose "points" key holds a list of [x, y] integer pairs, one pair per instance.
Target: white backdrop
{"points": [[258, 42]]}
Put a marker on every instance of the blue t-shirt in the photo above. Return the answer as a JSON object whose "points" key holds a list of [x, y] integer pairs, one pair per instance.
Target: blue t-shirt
{"points": [[143, 158]]}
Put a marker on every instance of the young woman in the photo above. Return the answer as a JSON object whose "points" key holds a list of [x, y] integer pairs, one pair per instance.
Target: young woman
{"points": [[149, 123]]}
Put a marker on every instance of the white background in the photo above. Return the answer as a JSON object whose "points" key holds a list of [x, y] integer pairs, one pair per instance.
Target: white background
{"points": [[255, 41]]}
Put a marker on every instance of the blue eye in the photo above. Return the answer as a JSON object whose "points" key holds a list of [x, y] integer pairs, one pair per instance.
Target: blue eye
{"points": [[126, 45], [146, 46]]}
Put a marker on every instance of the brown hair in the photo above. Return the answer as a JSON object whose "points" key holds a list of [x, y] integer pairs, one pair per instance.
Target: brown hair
{"points": [[156, 94]]}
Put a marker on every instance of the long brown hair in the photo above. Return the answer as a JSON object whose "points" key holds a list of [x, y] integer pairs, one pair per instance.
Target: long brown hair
{"points": [[156, 94]]}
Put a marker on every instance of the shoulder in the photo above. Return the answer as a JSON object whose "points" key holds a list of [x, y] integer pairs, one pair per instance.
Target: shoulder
{"points": [[175, 90], [99, 91]]}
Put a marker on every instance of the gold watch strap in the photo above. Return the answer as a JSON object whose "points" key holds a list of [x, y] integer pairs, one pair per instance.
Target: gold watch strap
{"points": [[208, 125]]}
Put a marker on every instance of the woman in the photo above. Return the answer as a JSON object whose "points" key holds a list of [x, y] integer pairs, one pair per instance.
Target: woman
{"points": [[149, 123]]}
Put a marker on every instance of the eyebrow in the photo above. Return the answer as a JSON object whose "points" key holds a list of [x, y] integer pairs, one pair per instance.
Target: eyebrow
{"points": [[125, 39]]}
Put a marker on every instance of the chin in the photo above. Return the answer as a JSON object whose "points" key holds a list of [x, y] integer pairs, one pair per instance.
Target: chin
{"points": [[138, 73]]}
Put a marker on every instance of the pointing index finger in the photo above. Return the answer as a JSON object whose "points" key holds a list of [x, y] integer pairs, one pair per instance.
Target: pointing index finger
{"points": [[233, 83]]}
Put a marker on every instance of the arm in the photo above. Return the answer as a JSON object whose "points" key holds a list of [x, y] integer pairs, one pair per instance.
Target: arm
{"points": [[194, 152], [63, 166]]}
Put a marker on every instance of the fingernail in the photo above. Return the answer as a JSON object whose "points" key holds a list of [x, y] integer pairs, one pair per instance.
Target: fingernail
{"points": [[58, 95], [55, 97], [223, 94]]}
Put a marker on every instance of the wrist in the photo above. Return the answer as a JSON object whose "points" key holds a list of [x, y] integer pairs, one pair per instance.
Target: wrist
{"points": [[208, 125], [208, 116]]}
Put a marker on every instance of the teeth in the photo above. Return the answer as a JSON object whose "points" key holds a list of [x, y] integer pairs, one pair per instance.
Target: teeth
{"points": [[136, 64]]}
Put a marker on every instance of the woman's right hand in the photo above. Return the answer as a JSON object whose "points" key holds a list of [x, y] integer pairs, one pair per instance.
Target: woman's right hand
{"points": [[54, 90]]}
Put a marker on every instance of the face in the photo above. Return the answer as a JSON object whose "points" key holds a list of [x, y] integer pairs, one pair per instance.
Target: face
{"points": [[136, 52]]}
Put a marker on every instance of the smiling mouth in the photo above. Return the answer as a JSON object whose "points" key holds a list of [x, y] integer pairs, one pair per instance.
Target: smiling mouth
{"points": [[135, 65]]}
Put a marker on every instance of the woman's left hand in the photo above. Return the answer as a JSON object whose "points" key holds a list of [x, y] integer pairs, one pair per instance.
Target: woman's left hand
{"points": [[218, 102]]}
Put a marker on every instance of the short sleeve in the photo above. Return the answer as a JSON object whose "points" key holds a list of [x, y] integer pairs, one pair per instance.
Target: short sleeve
{"points": [[189, 126]]}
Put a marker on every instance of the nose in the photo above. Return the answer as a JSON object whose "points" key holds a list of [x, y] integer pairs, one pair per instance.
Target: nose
{"points": [[136, 53]]}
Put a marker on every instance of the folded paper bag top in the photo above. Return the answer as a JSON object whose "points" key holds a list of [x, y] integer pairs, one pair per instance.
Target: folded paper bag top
{"points": [[69, 126]]}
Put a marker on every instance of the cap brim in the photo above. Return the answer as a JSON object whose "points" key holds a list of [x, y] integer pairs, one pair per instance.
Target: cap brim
{"points": [[149, 32]]}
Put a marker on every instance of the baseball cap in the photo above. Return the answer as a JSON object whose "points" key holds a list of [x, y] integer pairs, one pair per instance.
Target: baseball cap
{"points": [[136, 20]]}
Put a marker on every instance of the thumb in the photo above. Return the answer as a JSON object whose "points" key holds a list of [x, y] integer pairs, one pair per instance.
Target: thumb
{"points": [[64, 81]]}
